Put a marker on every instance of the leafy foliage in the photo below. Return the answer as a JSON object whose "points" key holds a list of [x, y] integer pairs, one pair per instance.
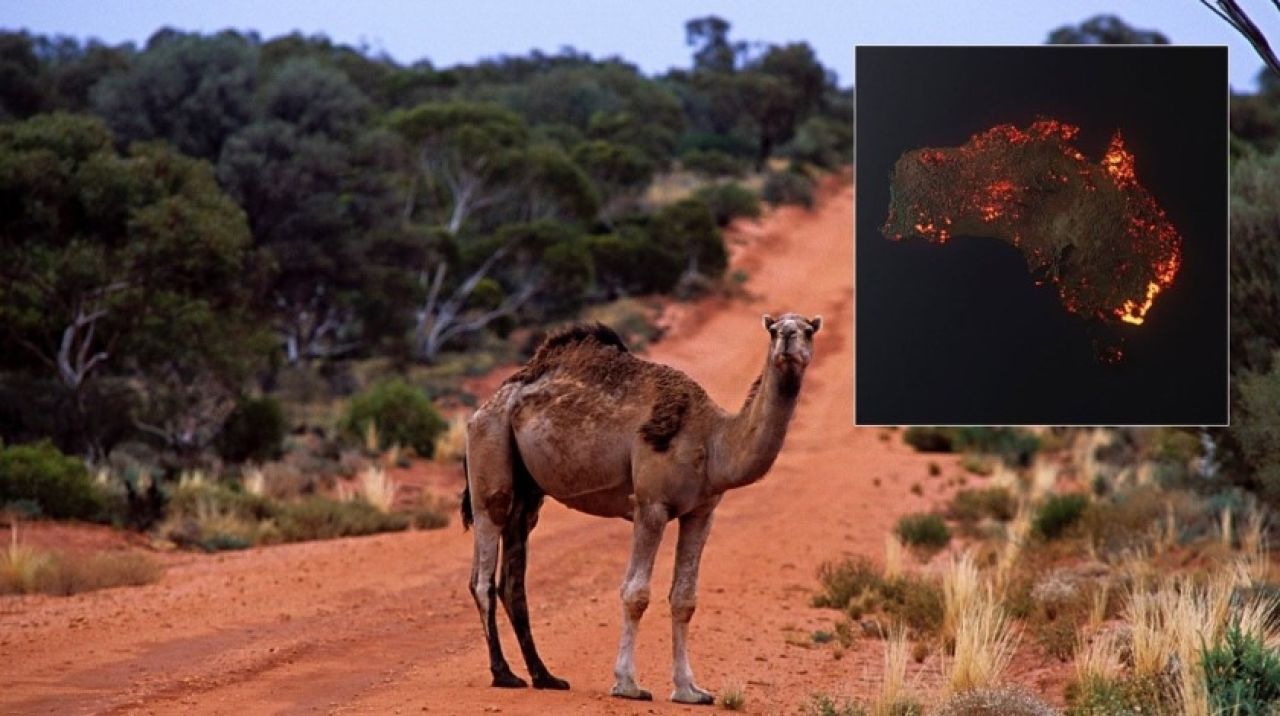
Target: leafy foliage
{"points": [[1242, 674], [788, 187], [254, 431], [58, 484], [1058, 513], [399, 413], [924, 530]]}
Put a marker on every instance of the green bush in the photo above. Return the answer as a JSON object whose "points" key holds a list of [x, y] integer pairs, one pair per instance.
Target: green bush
{"points": [[321, 518], [58, 484], [401, 413], [915, 602], [254, 431], [1058, 513], [1242, 675], [925, 439], [1121, 697], [788, 188], [844, 580], [925, 530], [712, 163], [730, 201], [973, 505], [1014, 445]]}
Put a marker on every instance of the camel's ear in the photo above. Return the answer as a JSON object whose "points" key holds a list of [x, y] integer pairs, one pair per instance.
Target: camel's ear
{"points": [[816, 323], [768, 321]]}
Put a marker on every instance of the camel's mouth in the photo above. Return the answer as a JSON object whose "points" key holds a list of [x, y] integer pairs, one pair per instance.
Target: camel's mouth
{"points": [[783, 361]]}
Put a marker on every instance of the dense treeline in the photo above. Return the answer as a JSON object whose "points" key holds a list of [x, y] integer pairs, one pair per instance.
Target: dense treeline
{"points": [[181, 221]]}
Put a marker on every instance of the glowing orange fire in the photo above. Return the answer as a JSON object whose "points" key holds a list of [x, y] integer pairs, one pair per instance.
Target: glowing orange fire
{"points": [[1088, 228]]}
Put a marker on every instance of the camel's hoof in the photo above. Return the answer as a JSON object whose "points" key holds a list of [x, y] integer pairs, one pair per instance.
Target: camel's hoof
{"points": [[508, 681], [630, 692], [692, 695], [547, 681]]}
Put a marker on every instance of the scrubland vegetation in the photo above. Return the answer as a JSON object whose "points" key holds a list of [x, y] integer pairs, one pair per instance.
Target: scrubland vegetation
{"points": [[1144, 577], [246, 279]]}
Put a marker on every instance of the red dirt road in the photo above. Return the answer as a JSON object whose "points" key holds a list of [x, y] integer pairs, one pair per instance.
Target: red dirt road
{"points": [[385, 624]]}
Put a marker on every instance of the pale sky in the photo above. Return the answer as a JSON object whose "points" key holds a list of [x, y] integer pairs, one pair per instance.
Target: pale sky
{"points": [[649, 34]]}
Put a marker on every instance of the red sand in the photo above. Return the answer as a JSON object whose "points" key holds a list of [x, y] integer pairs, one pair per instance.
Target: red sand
{"points": [[385, 624]]}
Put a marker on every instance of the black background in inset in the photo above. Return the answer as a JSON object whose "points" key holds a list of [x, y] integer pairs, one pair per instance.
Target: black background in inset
{"points": [[959, 334]]}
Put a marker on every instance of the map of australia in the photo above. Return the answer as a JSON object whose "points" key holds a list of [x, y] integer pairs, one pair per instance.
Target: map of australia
{"points": [[1087, 227]]}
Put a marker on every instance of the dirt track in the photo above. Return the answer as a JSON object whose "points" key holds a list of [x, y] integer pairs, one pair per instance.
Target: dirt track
{"points": [[385, 624]]}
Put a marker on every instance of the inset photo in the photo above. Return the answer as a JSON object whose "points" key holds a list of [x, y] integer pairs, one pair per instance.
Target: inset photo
{"points": [[1041, 235]]}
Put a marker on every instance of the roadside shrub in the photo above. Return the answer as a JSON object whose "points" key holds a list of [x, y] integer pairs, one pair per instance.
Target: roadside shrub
{"points": [[72, 574], [844, 580], [712, 163], [59, 484], [1124, 519], [914, 602], [730, 201], [320, 518], [400, 413], [1058, 513], [925, 439], [1121, 697], [25, 570], [216, 518], [1242, 674], [924, 530], [973, 505], [999, 701], [1014, 445], [820, 704], [254, 431], [788, 188]]}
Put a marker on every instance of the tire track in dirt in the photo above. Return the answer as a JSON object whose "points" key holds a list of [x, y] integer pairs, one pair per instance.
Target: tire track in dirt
{"points": [[384, 624]]}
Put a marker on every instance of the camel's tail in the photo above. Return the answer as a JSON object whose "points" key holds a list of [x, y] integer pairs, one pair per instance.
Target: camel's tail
{"points": [[467, 515]]}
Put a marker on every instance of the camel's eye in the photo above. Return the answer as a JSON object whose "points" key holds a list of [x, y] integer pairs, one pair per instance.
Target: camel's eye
{"points": [[808, 333]]}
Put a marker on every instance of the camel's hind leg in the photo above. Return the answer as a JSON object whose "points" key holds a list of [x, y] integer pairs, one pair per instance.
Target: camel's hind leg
{"points": [[515, 541], [489, 482]]}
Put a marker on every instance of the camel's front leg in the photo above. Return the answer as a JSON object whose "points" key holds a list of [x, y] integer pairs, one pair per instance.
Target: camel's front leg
{"points": [[694, 529], [647, 535]]}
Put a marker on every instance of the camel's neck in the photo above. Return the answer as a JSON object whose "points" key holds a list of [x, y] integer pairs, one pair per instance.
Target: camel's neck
{"points": [[745, 445]]}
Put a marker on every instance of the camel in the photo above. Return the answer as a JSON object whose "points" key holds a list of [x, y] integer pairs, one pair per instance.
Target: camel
{"points": [[612, 435]]}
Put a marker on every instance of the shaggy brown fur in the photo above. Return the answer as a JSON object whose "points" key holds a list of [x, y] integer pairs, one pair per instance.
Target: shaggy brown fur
{"points": [[667, 418], [563, 338]]}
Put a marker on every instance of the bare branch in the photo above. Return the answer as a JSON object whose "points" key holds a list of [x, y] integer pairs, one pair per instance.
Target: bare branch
{"points": [[1235, 16]]}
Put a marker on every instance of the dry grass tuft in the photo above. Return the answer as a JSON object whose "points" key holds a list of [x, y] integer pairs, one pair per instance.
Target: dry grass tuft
{"points": [[1016, 535], [960, 589], [254, 482], [893, 684], [21, 566], [1098, 602], [985, 642], [376, 487], [452, 443], [894, 557], [1150, 644], [733, 698], [26, 570], [1099, 658]]}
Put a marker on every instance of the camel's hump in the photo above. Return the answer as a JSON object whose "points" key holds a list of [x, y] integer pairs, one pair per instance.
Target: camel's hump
{"points": [[578, 333], [561, 339]]}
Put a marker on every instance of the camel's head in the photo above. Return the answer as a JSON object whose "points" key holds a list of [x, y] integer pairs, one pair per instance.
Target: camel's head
{"points": [[791, 340]]}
